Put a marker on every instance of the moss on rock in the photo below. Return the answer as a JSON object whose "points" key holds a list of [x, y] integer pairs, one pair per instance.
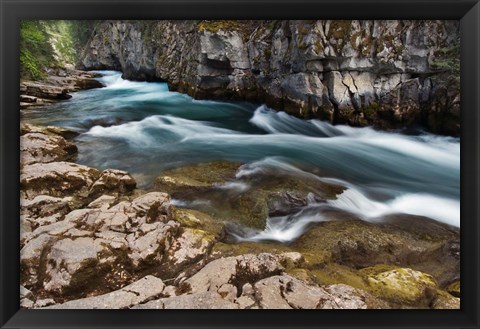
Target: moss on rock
{"points": [[404, 286]]}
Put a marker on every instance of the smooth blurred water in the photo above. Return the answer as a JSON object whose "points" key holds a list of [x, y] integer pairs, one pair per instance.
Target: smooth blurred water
{"points": [[144, 129]]}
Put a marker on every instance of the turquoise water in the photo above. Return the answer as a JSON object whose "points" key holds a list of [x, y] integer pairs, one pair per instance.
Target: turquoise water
{"points": [[143, 128]]}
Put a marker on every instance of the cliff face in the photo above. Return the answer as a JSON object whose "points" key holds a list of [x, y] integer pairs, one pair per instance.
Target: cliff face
{"points": [[382, 73]]}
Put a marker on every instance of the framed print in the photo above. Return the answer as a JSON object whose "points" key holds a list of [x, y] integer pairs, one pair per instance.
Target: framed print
{"points": [[239, 164]]}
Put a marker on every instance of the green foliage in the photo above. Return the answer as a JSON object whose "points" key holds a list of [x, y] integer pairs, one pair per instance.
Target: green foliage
{"points": [[448, 60], [61, 39], [53, 43], [220, 25], [81, 32], [36, 53]]}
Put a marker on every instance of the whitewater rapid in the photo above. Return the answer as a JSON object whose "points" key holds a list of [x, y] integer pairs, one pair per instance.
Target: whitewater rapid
{"points": [[144, 128]]}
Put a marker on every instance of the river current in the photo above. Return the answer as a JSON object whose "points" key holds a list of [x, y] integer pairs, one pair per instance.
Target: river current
{"points": [[143, 128]]}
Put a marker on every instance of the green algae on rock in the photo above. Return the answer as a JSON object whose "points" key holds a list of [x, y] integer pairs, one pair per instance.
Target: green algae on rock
{"points": [[404, 286]]}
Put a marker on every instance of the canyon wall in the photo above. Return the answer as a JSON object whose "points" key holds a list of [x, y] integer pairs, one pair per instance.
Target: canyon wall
{"points": [[389, 74]]}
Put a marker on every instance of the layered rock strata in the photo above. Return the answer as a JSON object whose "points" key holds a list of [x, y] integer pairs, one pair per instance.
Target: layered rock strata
{"points": [[390, 74]]}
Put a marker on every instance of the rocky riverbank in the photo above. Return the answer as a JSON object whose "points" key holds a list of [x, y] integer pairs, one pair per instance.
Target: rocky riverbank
{"points": [[57, 86], [389, 74], [91, 239]]}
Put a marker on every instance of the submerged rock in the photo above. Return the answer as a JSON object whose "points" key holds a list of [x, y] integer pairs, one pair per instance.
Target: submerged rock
{"points": [[215, 189]]}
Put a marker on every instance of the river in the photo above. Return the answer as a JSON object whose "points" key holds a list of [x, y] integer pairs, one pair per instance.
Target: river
{"points": [[143, 128]]}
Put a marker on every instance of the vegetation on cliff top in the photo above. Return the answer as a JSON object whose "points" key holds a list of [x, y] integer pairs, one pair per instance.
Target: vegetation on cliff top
{"points": [[48, 44]]}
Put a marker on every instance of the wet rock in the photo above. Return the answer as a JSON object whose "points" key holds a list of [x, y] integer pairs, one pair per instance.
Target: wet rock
{"points": [[37, 147], [204, 300], [185, 180], [404, 286], [135, 293], [87, 83], [60, 131], [408, 241], [281, 204]]}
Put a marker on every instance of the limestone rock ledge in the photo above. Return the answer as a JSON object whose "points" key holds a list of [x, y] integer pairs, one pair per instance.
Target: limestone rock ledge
{"points": [[381, 73]]}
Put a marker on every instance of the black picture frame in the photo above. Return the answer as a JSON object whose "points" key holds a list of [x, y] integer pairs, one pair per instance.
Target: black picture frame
{"points": [[467, 11]]}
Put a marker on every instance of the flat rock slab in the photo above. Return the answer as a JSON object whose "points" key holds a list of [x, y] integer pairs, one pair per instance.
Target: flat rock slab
{"points": [[57, 179], [236, 270], [205, 300], [138, 292], [38, 147]]}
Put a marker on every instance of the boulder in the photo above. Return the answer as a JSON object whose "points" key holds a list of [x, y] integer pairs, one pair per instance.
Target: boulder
{"points": [[404, 286]]}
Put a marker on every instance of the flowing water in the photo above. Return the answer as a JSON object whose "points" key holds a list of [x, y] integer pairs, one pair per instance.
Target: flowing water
{"points": [[143, 128]]}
